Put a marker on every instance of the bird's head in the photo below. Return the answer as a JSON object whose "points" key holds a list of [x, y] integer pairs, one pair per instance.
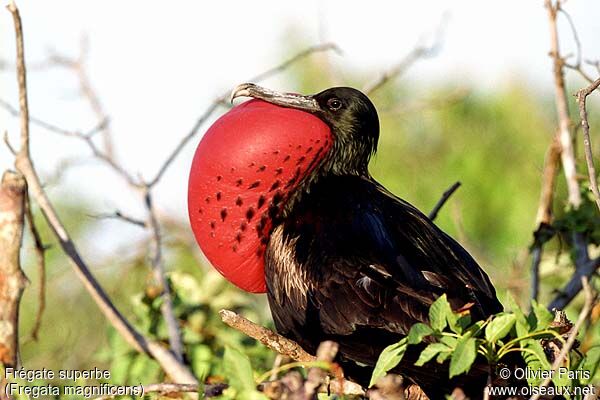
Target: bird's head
{"points": [[258, 159], [349, 113]]}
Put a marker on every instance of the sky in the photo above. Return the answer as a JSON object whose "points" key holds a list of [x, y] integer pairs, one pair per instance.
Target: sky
{"points": [[158, 65]]}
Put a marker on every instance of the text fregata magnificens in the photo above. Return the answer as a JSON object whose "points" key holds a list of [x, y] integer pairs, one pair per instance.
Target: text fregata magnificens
{"points": [[343, 258]]}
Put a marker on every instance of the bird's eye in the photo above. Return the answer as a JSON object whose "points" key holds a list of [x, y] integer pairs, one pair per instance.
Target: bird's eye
{"points": [[334, 104]]}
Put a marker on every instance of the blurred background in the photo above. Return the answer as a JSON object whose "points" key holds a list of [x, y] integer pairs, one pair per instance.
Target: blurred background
{"points": [[479, 109]]}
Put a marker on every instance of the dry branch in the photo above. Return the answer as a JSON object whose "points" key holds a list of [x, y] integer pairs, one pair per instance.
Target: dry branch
{"points": [[40, 255], [582, 95], [158, 267], [266, 336], [175, 369], [12, 278], [562, 110], [565, 137], [544, 212]]}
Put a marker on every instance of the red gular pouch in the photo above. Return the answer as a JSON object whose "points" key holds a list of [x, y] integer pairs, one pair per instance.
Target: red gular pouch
{"points": [[244, 169]]}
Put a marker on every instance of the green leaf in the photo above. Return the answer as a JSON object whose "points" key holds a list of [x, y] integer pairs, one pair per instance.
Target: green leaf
{"points": [[449, 341], [418, 332], [388, 359], [542, 315], [591, 363], [200, 360], [251, 395], [238, 370], [439, 312], [499, 327], [463, 323], [443, 356], [463, 356], [521, 325], [536, 361], [431, 351]]}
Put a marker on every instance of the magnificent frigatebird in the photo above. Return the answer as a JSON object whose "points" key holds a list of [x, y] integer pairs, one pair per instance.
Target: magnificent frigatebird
{"points": [[344, 259]]}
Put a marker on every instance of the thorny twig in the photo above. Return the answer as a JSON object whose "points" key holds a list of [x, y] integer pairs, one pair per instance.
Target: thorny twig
{"points": [[583, 315]]}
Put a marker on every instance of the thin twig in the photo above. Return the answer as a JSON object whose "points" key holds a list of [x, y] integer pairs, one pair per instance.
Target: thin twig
{"points": [[581, 96], [445, 196], [564, 352], [266, 336], [40, 255], [123, 217], [175, 369], [87, 91], [159, 275]]}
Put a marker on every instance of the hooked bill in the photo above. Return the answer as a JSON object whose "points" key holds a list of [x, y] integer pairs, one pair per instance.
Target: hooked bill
{"points": [[244, 169]]}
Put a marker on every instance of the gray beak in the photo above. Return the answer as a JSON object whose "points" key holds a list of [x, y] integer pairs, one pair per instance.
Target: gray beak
{"points": [[290, 100]]}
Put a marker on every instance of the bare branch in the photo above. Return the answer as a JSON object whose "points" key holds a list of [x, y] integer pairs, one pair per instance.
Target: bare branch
{"points": [[319, 48], [40, 255], [562, 109], [175, 369], [159, 275], [581, 96], [86, 89], [445, 196], [569, 164], [266, 336], [220, 100], [564, 352], [544, 213], [123, 217]]}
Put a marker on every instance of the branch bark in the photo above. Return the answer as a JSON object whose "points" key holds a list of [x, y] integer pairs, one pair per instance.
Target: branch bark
{"points": [[266, 336], [12, 278], [565, 137], [562, 110]]}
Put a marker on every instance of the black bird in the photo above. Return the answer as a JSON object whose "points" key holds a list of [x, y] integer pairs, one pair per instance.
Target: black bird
{"points": [[348, 261]]}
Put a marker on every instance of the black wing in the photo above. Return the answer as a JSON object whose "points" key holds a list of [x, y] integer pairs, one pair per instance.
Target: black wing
{"points": [[358, 265]]}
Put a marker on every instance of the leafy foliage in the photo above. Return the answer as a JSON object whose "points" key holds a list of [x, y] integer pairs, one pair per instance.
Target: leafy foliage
{"points": [[492, 339]]}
